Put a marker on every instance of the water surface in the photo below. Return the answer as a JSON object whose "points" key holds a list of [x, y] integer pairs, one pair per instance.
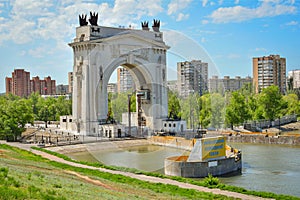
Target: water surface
{"points": [[274, 168]]}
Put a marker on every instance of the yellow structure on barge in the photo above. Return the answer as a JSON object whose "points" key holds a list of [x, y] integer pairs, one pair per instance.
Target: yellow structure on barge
{"points": [[208, 156]]}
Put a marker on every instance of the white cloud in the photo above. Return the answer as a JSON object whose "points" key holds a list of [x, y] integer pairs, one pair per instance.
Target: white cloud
{"points": [[268, 8], [292, 23], [30, 20], [237, 1], [182, 16], [177, 5], [204, 2], [40, 52]]}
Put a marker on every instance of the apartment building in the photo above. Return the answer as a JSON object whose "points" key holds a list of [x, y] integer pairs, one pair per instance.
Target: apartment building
{"points": [[21, 85], [269, 70], [124, 80], [216, 84], [112, 88], [294, 78], [192, 77]]}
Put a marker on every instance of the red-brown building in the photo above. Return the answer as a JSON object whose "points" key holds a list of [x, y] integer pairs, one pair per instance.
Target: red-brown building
{"points": [[21, 85]]}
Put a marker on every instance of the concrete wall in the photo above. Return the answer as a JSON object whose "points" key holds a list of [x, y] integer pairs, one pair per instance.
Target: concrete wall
{"points": [[169, 141], [262, 139], [201, 169]]}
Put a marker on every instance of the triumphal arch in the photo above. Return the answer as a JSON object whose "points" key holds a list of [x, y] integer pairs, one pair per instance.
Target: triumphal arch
{"points": [[98, 51]]}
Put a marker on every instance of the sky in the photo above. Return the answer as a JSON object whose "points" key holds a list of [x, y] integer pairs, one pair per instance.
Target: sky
{"points": [[34, 34]]}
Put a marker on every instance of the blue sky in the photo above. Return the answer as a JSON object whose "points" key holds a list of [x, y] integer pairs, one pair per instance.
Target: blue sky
{"points": [[34, 34]]}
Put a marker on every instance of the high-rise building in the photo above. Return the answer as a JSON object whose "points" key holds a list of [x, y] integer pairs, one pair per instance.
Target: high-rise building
{"points": [[112, 88], [294, 77], [172, 85], [125, 81], [70, 81], [21, 85], [216, 84], [269, 70], [192, 77], [62, 89]]}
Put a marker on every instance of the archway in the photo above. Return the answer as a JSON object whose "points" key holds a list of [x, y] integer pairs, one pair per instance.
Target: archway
{"points": [[98, 51]]}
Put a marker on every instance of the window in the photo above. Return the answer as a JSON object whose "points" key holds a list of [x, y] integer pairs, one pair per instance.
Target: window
{"points": [[170, 125], [64, 120], [174, 125]]}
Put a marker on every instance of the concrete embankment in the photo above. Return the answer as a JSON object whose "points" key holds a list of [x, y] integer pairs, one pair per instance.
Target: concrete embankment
{"points": [[263, 139], [171, 141], [99, 146]]}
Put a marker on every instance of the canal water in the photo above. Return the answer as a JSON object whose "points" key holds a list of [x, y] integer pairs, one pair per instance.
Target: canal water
{"points": [[273, 168]]}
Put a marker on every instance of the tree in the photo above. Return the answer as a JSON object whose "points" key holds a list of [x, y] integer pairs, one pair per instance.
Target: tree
{"points": [[119, 105], [292, 105], [173, 105], [270, 101], [205, 112], [217, 110], [14, 114], [236, 111]]}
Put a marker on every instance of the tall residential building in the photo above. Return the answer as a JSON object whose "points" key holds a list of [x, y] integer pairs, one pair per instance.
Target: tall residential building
{"points": [[125, 81], [21, 85], [216, 84], [62, 89], [269, 70], [294, 77], [192, 77], [70, 81], [112, 88], [172, 85]]}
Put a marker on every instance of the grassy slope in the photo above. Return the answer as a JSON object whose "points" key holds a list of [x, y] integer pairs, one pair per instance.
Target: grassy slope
{"points": [[210, 182], [24, 175]]}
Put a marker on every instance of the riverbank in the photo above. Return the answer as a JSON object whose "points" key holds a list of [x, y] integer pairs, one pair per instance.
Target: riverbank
{"points": [[263, 138], [131, 180], [98, 146], [288, 134]]}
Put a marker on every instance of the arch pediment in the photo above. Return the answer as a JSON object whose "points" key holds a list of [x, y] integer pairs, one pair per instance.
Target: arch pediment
{"points": [[133, 39]]}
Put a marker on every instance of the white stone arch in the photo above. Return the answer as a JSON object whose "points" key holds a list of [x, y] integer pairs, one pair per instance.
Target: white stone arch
{"points": [[140, 74], [98, 54]]}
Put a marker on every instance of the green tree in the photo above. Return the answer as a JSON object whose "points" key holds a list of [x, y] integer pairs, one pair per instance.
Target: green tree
{"points": [[205, 112], [132, 102], [237, 110], [14, 114], [292, 105], [33, 100], [270, 101], [173, 105], [119, 105], [63, 106], [217, 110], [190, 110]]}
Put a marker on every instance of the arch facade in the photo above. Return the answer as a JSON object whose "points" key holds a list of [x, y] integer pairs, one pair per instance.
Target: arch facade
{"points": [[98, 51]]}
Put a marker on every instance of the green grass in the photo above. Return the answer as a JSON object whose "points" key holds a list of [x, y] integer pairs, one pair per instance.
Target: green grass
{"points": [[24, 175], [210, 182]]}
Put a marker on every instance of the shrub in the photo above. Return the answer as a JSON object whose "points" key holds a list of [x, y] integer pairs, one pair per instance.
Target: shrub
{"points": [[211, 181]]}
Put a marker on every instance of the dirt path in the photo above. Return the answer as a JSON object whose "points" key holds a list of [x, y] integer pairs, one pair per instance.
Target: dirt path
{"points": [[136, 176]]}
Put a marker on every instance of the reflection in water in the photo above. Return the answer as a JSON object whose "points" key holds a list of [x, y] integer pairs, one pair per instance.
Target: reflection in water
{"points": [[271, 168]]}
